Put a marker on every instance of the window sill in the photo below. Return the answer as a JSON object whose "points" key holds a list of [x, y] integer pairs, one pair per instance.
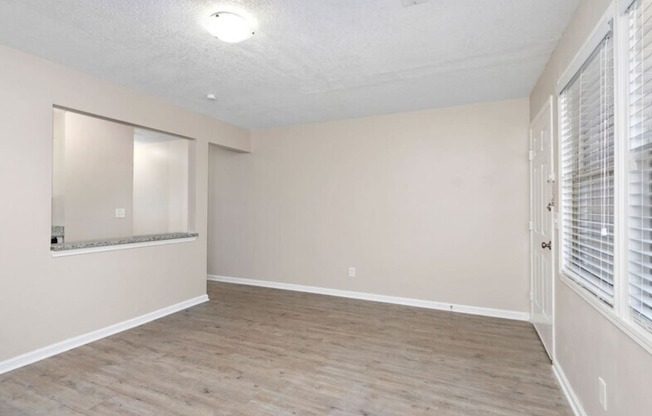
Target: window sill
{"points": [[631, 329], [96, 246]]}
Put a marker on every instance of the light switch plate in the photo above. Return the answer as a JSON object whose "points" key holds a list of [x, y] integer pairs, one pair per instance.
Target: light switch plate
{"points": [[120, 212]]}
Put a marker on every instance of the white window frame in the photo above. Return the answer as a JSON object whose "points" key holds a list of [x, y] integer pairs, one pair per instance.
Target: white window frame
{"points": [[626, 310], [619, 313], [582, 253]]}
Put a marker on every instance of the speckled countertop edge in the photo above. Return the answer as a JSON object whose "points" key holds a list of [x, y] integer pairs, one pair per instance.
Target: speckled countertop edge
{"points": [[76, 245]]}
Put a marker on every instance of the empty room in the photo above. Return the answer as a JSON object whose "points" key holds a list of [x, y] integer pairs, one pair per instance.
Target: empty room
{"points": [[342, 207]]}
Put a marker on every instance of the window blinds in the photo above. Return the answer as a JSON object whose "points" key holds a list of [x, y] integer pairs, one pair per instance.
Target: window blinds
{"points": [[587, 173], [640, 161]]}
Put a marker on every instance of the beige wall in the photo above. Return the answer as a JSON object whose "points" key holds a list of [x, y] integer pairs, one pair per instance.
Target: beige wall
{"points": [[98, 178], [429, 205], [43, 299], [58, 166], [588, 346]]}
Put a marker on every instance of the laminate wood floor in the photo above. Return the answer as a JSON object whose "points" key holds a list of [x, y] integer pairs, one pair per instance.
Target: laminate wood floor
{"points": [[255, 351]]}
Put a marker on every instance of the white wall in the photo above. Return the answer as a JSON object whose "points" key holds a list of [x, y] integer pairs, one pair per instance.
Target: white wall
{"points": [[160, 186], [178, 185], [429, 205], [44, 300], [588, 345]]}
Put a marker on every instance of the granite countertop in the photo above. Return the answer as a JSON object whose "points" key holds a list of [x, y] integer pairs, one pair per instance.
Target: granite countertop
{"points": [[76, 245]]}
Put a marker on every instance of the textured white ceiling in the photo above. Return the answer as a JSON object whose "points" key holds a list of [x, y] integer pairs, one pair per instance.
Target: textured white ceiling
{"points": [[310, 60]]}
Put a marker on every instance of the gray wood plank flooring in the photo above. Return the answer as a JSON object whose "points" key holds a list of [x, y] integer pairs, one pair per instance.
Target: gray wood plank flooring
{"points": [[256, 351]]}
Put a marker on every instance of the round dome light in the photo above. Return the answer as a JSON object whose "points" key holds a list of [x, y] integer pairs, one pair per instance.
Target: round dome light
{"points": [[229, 27]]}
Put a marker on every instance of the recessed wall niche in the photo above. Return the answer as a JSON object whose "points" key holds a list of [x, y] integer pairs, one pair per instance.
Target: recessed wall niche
{"points": [[115, 181]]}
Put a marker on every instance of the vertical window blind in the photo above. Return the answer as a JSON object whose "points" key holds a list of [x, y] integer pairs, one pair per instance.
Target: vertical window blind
{"points": [[640, 161], [587, 173]]}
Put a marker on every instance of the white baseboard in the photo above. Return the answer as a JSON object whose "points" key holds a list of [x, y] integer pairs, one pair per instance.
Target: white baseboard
{"points": [[474, 310], [78, 341], [566, 387]]}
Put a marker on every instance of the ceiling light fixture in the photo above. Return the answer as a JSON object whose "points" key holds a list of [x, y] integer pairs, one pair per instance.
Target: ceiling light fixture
{"points": [[229, 27]]}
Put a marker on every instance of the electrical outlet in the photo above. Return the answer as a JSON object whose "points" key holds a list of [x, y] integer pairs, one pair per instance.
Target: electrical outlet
{"points": [[602, 392], [120, 213], [351, 271]]}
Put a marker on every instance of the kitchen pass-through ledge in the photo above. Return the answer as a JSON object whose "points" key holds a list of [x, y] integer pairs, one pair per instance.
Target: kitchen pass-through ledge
{"points": [[94, 246]]}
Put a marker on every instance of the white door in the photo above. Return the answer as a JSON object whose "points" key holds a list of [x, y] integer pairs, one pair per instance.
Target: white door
{"points": [[542, 207]]}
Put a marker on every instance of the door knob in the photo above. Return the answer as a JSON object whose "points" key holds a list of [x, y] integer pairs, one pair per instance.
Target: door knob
{"points": [[547, 245]]}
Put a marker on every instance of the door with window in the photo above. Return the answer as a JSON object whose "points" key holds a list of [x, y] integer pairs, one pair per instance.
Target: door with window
{"points": [[542, 207]]}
